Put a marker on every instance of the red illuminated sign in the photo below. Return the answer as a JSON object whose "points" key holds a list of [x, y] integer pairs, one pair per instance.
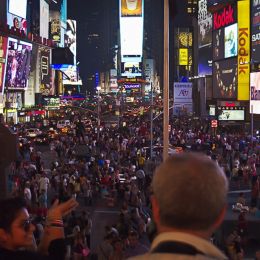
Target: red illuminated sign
{"points": [[223, 18]]}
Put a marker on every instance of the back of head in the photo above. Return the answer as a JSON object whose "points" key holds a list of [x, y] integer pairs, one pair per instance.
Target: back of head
{"points": [[9, 209], [191, 191]]}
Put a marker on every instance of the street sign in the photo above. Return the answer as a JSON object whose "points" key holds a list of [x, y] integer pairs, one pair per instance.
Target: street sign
{"points": [[214, 123]]}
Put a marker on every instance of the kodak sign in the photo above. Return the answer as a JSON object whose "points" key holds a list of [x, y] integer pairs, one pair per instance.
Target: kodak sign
{"points": [[243, 49], [224, 18]]}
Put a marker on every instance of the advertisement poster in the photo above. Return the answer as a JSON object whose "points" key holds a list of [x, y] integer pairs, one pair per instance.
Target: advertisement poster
{"points": [[131, 8], [225, 79], [44, 19], [205, 61], [231, 115], [70, 37], [18, 64], [204, 23], [255, 86], [183, 57], [182, 92], [3, 51], [46, 87], [255, 93], [255, 29], [218, 43], [231, 41], [55, 26], [243, 58], [17, 23]]}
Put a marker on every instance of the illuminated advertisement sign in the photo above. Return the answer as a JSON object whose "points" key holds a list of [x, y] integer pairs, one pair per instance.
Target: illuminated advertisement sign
{"points": [[70, 75], [255, 86], [224, 17], [131, 29], [205, 61], [18, 8], [131, 8], [17, 23], [132, 86], [182, 93], [55, 26], [255, 93], [44, 19], [183, 57], [3, 51], [231, 41], [18, 64], [231, 113], [51, 102], [204, 23], [218, 43], [46, 87], [70, 37], [255, 29], [243, 58], [131, 69], [225, 79], [185, 39]]}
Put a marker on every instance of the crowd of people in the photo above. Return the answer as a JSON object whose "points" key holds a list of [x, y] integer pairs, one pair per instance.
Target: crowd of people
{"points": [[114, 166]]}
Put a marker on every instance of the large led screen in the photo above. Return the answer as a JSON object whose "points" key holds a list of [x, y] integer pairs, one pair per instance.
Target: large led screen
{"points": [[131, 33], [131, 8], [3, 51], [231, 41], [17, 23], [255, 86], [218, 43], [18, 64], [18, 8], [255, 30], [231, 115], [70, 37], [44, 19], [204, 23], [225, 79], [205, 61], [131, 69], [70, 75]]}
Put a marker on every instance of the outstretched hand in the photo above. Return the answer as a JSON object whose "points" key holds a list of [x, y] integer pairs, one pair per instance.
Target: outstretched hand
{"points": [[58, 211]]}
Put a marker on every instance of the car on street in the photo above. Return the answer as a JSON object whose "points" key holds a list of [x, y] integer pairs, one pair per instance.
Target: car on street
{"points": [[33, 132]]}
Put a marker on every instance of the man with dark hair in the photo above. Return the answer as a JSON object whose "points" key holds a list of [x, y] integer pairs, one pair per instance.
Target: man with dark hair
{"points": [[189, 204], [16, 231]]}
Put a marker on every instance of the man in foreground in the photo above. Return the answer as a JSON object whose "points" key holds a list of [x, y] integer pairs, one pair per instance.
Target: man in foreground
{"points": [[189, 204]]}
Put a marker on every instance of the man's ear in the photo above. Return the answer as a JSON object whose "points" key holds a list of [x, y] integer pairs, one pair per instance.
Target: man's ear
{"points": [[156, 210], [220, 218]]}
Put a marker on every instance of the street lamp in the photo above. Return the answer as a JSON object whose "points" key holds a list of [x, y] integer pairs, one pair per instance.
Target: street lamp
{"points": [[98, 88]]}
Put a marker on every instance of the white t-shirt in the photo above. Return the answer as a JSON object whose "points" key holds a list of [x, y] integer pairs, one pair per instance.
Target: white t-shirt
{"points": [[27, 194], [44, 183]]}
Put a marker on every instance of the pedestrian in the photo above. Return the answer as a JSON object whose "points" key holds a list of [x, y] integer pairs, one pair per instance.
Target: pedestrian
{"points": [[187, 215], [16, 231]]}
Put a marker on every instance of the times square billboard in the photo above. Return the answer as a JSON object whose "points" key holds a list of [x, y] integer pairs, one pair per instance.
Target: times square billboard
{"points": [[131, 30], [255, 30]]}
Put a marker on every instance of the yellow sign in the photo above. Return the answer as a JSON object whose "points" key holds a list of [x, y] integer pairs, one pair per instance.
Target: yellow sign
{"points": [[243, 49], [183, 57], [131, 8]]}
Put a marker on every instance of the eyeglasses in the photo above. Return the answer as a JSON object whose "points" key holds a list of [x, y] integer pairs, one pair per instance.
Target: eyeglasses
{"points": [[27, 225]]}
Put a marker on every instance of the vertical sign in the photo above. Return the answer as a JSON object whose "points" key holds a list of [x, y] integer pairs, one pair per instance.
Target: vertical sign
{"points": [[243, 49], [3, 51]]}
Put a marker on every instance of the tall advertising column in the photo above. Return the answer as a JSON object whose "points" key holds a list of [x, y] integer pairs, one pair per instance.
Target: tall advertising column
{"points": [[243, 56]]}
